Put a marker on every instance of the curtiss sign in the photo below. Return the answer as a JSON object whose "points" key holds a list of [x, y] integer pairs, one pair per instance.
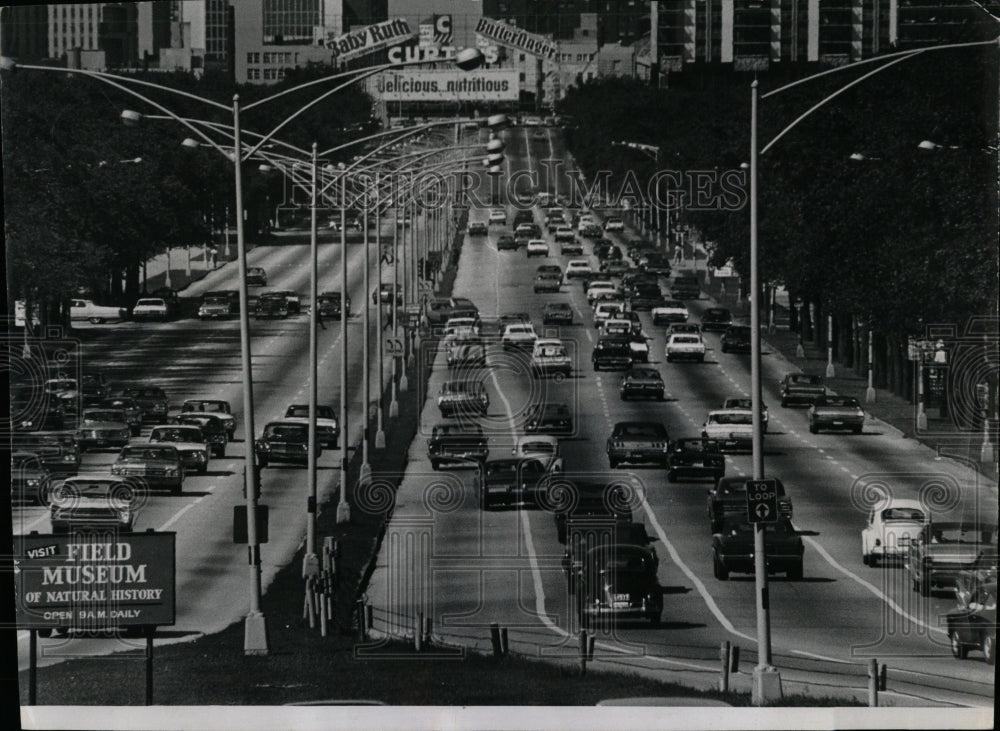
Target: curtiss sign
{"points": [[370, 38], [514, 37], [95, 580]]}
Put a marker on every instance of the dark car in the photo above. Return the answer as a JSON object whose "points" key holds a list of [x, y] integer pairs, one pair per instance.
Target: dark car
{"points": [[284, 441], [29, 478], [31, 410], [636, 442], [478, 228], [586, 499], [973, 624], [219, 303], [695, 457], [583, 535], [545, 282], [727, 501], [94, 388], [642, 382], [716, 319], [523, 216], [506, 241], [212, 427], [613, 353], [836, 412], [219, 407], [801, 388], [384, 294], [102, 428], [330, 304], [256, 276], [685, 287], [133, 412], [512, 481], [644, 297], [153, 465], [58, 451], [292, 300], [548, 419], [269, 307], [736, 339], [152, 400], [557, 313], [656, 262], [944, 549], [733, 549], [456, 442], [618, 582], [463, 398]]}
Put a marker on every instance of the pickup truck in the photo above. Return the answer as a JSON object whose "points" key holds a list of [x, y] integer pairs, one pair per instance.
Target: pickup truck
{"points": [[80, 309]]}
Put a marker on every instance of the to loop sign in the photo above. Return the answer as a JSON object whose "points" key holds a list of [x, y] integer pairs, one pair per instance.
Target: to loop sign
{"points": [[762, 501]]}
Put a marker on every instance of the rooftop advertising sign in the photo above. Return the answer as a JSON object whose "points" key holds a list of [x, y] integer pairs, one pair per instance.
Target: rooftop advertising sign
{"points": [[371, 38], [514, 37], [411, 85]]}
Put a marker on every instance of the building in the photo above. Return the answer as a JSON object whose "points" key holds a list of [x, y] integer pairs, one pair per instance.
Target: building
{"points": [[463, 15], [73, 25], [614, 59], [24, 32], [118, 34]]}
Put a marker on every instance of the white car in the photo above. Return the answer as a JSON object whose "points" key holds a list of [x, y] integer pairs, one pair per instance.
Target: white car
{"points": [[615, 327], [538, 247], [519, 336], [584, 222], [890, 528], [682, 346], [461, 328], [498, 215], [549, 356], [80, 309], [731, 428], [327, 426], [535, 445], [189, 442], [614, 223], [150, 308], [578, 268], [599, 285], [670, 311], [607, 310], [565, 233]]}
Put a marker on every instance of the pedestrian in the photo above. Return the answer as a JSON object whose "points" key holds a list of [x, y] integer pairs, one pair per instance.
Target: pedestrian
{"points": [[215, 257], [319, 318]]}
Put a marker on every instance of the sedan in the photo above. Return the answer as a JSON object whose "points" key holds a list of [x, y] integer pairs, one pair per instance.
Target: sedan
{"points": [[836, 412], [557, 313], [150, 308], [478, 228], [733, 549], [736, 339], [642, 381], [638, 441], [548, 419], [537, 247], [327, 428], [498, 216], [92, 501], [188, 440], [132, 410], [716, 319], [103, 428], [668, 311], [695, 457], [154, 465]]}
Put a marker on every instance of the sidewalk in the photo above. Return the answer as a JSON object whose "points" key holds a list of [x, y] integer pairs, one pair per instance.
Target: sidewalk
{"points": [[156, 267]]}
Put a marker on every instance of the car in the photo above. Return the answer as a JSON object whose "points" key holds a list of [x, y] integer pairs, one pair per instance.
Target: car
{"points": [[523, 216], [554, 221], [695, 457], [459, 328], [498, 216], [103, 428], [25, 414], [798, 388], [638, 442], [565, 234], [506, 241], [743, 403], [657, 262], [285, 441], [667, 311], [214, 307], [716, 319], [537, 247], [513, 481], [153, 465], [58, 451], [478, 228], [836, 412], [521, 239], [467, 351], [586, 499], [219, 407], [327, 426], [733, 549], [614, 223], [638, 347], [189, 441], [972, 625], [519, 336], [618, 582], [150, 308], [581, 536], [614, 267], [645, 297], [547, 282], [212, 426], [330, 304], [557, 313], [30, 480], [437, 310], [736, 339], [271, 307], [548, 418], [95, 387], [727, 500], [463, 398], [528, 229], [614, 353], [983, 569], [84, 309], [606, 250], [129, 407], [456, 443], [599, 285], [608, 309], [546, 445], [292, 300], [683, 328], [549, 356], [256, 276], [944, 549], [685, 286], [571, 248], [90, 501], [889, 529], [641, 382], [685, 347], [511, 318], [385, 292], [590, 230], [731, 428]]}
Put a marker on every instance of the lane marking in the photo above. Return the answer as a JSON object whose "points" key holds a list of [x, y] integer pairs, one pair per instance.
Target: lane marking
{"points": [[178, 514]]}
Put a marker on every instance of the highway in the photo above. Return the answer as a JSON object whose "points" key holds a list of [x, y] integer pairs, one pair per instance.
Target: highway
{"points": [[463, 568]]}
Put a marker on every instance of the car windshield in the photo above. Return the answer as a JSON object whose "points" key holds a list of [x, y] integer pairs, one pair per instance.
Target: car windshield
{"points": [[544, 447], [804, 380], [210, 407], [155, 303], [716, 314], [146, 393], [685, 339], [739, 403], [177, 434], [902, 514], [645, 373], [839, 402], [502, 469], [104, 415], [690, 445], [63, 385], [205, 423], [962, 534], [640, 431], [165, 453], [732, 418], [95, 488], [287, 432], [216, 300], [561, 306], [738, 330]]}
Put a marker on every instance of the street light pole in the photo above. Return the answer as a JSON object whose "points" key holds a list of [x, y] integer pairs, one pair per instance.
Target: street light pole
{"points": [[255, 625], [766, 679], [310, 562], [366, 469], [343, 508], [870, 391], [829, 346], [379, 433], [394, 403]]}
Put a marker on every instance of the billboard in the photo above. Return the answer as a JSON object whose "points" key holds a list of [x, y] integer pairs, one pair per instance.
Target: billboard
{"points": [[509, 35], [446, 85], [371, 38], [95, 580]]}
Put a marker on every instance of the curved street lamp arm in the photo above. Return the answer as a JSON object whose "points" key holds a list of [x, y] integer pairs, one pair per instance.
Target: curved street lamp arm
{"points": [[220, 127], [401, 134]]}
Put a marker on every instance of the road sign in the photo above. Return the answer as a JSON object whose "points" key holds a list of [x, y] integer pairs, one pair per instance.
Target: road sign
{"points": [[762, 501], [412, 316]]}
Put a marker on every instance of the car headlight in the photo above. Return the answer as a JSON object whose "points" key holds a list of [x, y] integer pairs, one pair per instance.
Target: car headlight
{"points": [[170, 472], [32, 482], [68, 458]]}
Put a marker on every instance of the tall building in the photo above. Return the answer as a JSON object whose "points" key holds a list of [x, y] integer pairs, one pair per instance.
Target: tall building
{"points": [[24, 32], [558, 18], [118, 34], [73, 25]]}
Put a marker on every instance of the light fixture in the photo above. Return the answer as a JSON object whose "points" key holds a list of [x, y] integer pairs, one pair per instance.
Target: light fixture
{"points": [[131, 118]]}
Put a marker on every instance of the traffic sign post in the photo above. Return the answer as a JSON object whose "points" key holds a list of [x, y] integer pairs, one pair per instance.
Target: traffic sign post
{"points": [[762, 501]]}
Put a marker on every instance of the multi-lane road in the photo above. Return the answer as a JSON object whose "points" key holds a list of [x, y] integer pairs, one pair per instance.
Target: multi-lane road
{"points": [[463, 568]]}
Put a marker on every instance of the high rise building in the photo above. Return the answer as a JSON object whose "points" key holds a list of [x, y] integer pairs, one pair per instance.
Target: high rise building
{"points": [[73, 25]]}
